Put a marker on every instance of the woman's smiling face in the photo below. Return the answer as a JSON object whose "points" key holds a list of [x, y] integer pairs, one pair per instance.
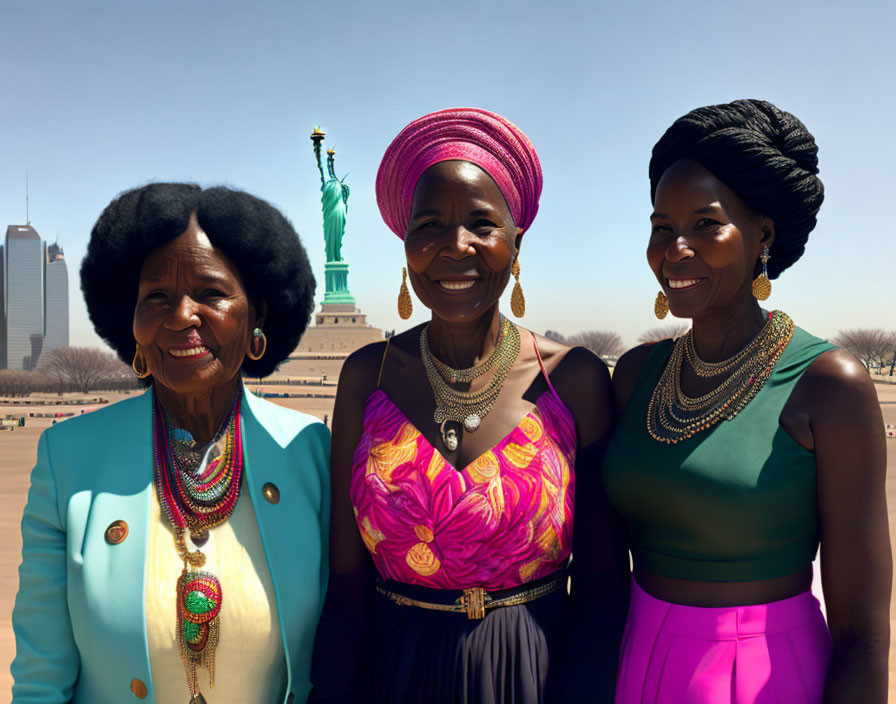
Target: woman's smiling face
{"points": [[461, 241], [704, 241], [193, 316]]}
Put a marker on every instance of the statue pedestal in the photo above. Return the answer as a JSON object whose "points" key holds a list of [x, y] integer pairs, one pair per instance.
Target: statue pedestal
{"points": [[338, 328], [336, 274]]}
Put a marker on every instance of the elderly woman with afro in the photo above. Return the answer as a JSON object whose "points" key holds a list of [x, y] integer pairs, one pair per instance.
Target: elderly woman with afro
{"points": [[174, 544], [746, 442]]}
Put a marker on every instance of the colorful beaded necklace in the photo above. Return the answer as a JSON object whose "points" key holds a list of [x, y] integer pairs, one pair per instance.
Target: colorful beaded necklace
{"points": [[196, 500]]}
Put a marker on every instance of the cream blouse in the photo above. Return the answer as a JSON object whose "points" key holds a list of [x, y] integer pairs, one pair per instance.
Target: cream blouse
{"points": [[250, 664]]}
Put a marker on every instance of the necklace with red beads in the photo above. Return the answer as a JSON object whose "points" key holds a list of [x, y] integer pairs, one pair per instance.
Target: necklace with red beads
{"points": [[196, 499]]}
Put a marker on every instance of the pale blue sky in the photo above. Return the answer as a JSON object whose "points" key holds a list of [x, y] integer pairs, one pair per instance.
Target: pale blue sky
{"points": [[98, 97]]}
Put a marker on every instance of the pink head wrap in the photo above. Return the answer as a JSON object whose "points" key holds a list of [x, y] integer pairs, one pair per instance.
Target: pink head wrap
{"points": [[484, 138]]}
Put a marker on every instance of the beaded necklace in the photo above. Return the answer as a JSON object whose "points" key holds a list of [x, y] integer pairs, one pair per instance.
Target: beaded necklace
{"points": [[465, 376], [673, 416], [196, 500], [468, 407]]}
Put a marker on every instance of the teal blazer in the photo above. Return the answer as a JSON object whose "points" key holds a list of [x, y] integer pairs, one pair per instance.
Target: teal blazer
{"points": [[79, 617]]}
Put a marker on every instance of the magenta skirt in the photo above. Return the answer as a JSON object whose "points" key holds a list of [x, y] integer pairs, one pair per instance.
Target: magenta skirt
{"points": [[763, 654]]}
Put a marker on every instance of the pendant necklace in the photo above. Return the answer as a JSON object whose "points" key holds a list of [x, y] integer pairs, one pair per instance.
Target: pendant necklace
{"points": [[195, 499], [468, 407]]}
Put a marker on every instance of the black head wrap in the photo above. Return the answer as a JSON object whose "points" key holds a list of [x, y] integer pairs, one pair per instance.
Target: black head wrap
{"points": [[763, 154]]}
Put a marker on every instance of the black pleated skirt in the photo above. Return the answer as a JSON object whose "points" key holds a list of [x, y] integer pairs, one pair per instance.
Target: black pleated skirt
{"points": [[421, 656]]}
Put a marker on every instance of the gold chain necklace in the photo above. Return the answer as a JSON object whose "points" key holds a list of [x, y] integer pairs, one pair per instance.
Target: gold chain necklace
{"points": [[469, 407], [672, 416], [465, 376], [710, 369]]}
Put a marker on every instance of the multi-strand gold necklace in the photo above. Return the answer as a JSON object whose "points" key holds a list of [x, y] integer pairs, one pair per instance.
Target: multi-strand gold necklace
{"points": [[672, 416], [468, 407]]}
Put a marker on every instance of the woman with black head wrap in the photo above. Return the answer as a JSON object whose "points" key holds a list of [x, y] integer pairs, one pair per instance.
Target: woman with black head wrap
{"points": [[745, 441]]}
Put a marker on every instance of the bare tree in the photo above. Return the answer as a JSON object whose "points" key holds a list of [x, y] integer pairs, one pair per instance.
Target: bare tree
{"points": [[21, 383], [81, 368], [662, 332], [872, 346], [602, 342], [890, 352], [120, 377]]}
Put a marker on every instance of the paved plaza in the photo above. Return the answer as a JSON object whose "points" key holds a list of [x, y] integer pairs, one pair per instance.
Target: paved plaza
{"points": [[17, 452]]}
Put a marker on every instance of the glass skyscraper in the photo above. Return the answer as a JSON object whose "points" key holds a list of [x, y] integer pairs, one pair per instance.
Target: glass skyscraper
{"points": [[56, 306], [33, 299]]}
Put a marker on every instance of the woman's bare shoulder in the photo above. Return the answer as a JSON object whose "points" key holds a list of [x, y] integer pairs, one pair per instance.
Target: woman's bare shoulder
{"points": [[626, 372]]}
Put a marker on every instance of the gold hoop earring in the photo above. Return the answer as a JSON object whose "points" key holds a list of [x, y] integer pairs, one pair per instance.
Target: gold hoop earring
{"points": [[517, 299], [405, 305], [140, 359], [661, 306], [257, 335], [762, 287]]}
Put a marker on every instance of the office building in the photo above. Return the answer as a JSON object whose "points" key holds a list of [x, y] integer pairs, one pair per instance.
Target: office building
{"points": [[33, 299], [23, 300], [56, 306]]}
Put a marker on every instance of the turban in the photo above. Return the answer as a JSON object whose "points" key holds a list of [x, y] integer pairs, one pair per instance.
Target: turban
{"points": [[484, 138]]}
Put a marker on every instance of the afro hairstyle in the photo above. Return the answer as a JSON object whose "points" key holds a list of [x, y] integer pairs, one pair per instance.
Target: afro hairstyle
{"points": [[251, 233]]}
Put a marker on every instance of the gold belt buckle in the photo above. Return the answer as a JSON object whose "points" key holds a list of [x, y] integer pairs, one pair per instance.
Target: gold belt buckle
{"points": [[473, 602]]}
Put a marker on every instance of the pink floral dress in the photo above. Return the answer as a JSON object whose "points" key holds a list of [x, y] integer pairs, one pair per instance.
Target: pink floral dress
{"points": [[503, 520]]}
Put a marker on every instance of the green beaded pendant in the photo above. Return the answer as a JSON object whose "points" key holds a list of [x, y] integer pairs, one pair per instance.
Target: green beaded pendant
{"points": [[198, 608]]}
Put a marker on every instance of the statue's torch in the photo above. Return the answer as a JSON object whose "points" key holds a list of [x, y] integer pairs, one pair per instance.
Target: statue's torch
{"points": [[317, 136]]}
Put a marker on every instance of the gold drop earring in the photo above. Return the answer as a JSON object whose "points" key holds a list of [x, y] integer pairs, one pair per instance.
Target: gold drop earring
{"points": [[257, 337], [405, 306], [762, 287], [141, 369], [661, 305], [517, 299]]}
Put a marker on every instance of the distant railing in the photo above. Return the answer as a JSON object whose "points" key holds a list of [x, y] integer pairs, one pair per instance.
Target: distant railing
{"points": [[287, 394], [53, 402], [322, 381]]}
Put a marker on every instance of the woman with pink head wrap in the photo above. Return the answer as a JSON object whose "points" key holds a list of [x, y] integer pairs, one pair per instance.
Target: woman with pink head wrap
{"points": [[484, 138], [458, 448]]}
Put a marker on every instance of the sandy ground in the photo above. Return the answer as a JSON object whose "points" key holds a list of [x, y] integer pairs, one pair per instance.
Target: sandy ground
{"points": [[17, 453]]}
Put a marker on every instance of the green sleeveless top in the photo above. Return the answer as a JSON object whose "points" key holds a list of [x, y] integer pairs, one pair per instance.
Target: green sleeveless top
{"points": [[734, 503]]}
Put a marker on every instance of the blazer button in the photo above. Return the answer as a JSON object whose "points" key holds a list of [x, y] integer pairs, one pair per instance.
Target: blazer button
{"points": [[138, 688], [115, 534], [271, 493]]}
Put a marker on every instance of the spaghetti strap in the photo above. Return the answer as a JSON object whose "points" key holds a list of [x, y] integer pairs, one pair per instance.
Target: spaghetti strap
{"points": [[379, 377], [543, 370]]}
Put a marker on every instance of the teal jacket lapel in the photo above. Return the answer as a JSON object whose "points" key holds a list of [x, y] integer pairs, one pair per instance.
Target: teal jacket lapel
{"points": [[106, 485], [286, 458]]}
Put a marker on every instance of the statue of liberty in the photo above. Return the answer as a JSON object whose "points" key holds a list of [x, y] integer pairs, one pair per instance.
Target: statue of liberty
{"points": [[334, 202]]}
